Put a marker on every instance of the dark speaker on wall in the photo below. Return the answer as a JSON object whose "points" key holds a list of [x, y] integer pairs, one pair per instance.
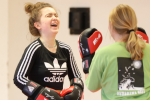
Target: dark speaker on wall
{"points": [[79, 20]]}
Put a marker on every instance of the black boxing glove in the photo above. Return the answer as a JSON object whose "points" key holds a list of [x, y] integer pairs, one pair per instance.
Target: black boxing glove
{"points": [[75, 91], [36, 92], [89, 41]]}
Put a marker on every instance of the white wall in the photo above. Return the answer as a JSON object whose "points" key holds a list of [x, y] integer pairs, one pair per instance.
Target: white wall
{"points": [[19, 38], [100, 9], [4, 50]]}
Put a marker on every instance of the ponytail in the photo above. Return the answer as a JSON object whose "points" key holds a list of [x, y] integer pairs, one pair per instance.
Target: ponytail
{"points": [[123, 19], [135, 46]]}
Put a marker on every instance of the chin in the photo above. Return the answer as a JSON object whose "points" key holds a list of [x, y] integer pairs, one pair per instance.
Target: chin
{"points": [[54, 31]]}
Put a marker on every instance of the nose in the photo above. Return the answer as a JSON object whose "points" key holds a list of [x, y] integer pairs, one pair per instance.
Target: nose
{"points": [[53, 18]]}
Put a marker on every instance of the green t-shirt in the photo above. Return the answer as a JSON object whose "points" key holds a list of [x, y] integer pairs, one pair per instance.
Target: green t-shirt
{"points": [[118, 77]]}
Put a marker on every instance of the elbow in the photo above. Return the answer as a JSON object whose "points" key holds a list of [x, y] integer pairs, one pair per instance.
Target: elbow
{"points": [[95, 91], [17, 83], [14, 80]]}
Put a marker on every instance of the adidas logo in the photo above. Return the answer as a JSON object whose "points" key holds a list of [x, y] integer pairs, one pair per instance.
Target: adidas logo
{"points": [[30, 88], [56, 70]]}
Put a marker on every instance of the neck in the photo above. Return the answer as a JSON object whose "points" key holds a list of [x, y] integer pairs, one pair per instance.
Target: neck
{"points": [[50, 41], [121, 38]]}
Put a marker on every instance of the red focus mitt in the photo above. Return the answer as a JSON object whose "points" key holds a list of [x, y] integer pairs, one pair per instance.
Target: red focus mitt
{"points": [[89, 41], [142, 34]]}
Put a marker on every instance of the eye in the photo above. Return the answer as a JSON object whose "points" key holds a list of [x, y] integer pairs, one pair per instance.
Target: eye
{"points": [[49, 15], [56, 15]]}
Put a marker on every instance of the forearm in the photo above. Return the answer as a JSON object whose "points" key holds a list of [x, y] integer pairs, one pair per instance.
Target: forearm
{"points": [[86, 75]]}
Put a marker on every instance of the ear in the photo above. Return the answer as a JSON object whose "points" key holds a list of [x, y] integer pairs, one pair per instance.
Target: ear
{"points": [[37, 25], [110, 26]]}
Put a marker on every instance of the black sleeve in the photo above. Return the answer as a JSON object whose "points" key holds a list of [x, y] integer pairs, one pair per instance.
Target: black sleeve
{"points": [[73, 71], [25, 65]]}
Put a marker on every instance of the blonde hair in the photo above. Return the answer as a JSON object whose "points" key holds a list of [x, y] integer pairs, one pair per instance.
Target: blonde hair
{"points": [[34, 12], [123, 20]]}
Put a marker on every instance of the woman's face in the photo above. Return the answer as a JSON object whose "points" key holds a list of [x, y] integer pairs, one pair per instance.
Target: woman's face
{"points": [[49, 21]]}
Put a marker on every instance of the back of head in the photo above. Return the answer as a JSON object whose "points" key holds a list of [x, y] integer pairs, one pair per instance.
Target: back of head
{"points": [[34, 12], [124, 21]]}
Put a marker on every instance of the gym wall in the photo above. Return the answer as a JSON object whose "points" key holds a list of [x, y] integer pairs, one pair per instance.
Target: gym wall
{"points": [[15, 35], [4, 49]]}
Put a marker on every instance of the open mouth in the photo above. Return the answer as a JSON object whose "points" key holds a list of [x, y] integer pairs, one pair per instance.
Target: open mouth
{"points": [[54, 25]]}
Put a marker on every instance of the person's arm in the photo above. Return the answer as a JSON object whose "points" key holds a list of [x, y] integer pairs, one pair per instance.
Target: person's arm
{"points": [[30, 88], [94, 77], [76, 88], [89, 41], [86, 75], [23, 69], [25, 65], [73, 71]]}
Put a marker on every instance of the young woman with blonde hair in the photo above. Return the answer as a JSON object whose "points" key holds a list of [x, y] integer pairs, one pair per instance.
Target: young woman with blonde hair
{"points": [[122, 69]]}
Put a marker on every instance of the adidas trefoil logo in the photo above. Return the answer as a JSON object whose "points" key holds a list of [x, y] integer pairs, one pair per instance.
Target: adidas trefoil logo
{"points": [[30, 88], [56, 70]]}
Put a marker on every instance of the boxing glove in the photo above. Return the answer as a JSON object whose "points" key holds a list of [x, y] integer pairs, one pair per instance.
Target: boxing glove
{"points": [[36, 92], [75, 91], [49, 94], [89, 40], [142, 34]]}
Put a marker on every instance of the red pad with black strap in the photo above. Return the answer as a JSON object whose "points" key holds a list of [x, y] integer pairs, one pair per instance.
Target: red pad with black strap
{"points": [[142, 36], [94, 41]]}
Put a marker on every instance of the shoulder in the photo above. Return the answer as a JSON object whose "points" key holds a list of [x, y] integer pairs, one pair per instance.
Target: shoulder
{"points": [[34, 46], [107, 49], [112, 50], [64, 45], [147, 47]]}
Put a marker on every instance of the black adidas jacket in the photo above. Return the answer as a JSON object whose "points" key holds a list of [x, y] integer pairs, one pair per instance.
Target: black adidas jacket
{"points": [[44, 67]]}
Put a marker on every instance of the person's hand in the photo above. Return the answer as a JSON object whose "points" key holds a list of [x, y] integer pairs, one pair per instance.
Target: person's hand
{"points": [[89, 41]]}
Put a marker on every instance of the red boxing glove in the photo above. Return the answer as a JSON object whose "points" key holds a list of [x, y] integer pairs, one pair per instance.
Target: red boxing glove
{"points": [[66, 91], [89, 41], [74, 93], [142, 34]]}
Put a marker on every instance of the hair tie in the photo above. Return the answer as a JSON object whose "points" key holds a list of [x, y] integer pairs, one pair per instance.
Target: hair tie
{"points": [[131, 30]]}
